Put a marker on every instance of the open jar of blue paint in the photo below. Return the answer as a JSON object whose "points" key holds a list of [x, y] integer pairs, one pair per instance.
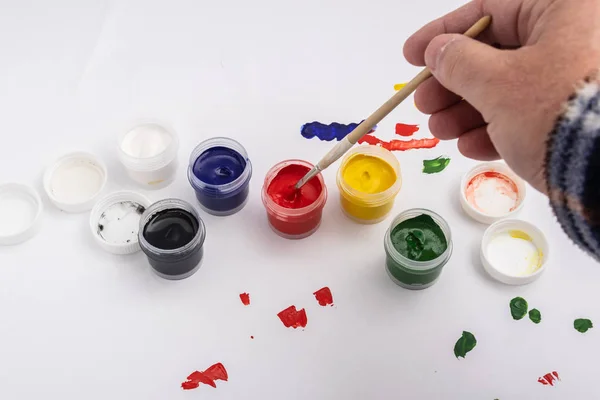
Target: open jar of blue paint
{"points": [[220, 172], [172, 234]]}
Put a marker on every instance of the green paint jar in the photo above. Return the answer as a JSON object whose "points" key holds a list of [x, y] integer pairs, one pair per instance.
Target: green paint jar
{"points": [[418, 263]]}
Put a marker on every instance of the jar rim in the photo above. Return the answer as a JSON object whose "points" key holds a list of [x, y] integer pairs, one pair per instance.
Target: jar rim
{"points": [[370, 199], [275, 208], [183, 251], [227, 188], [413, 264]]}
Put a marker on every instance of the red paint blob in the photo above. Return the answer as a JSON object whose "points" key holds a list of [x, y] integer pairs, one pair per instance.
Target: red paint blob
{"points": [[293, 318], [400, 145], [324, 296], [251, 337], [549, 378], [282, 192], [245, 298], [213, 373], [406, 130]]}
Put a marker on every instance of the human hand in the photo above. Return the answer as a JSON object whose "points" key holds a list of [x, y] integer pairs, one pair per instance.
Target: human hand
{"points": [[502, 101]]}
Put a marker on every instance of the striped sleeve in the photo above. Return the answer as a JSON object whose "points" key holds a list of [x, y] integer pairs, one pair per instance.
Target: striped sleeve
{"points": [[573, 166]]}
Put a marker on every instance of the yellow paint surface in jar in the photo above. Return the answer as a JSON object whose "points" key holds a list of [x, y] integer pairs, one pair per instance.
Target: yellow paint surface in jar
{"points": [[367, 176]]}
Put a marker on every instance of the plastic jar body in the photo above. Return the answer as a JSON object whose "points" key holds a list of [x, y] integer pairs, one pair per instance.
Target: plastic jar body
{"points": [[409, 273], [226, 199], [368, 208], [157, 170], [293, 223], [178, 263]]}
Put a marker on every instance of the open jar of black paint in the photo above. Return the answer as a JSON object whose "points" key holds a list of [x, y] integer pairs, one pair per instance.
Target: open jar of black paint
{"points": [[172, 236]]}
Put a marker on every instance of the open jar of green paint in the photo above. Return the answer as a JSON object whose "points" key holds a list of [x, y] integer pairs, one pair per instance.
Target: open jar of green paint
{"points": [[417, 244]]}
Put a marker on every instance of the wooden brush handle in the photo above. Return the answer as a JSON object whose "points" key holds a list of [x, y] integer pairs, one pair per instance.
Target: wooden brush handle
{"points": [[368, 124]]}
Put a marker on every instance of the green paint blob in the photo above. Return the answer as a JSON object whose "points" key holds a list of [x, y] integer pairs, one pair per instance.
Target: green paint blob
{"points": [[535, 316], [518, 308], [419, 239], [464, 344], [436, 165], [582, 325]]}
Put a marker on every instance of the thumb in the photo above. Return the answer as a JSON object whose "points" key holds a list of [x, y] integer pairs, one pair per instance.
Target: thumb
{"points": [[464, 66]]}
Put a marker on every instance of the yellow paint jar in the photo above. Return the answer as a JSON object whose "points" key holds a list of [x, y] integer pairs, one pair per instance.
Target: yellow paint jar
{"points": [[369, 180]]}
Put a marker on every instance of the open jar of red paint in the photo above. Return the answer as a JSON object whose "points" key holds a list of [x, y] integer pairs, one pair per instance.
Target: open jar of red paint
{"points": [[293, 214]]}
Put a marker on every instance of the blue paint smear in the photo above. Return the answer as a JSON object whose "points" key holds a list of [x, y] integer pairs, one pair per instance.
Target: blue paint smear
{"points": [[333, 131]]}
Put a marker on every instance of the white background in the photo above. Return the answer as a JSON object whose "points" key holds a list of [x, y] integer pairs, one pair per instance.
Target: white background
{"points": [[78, 323]]}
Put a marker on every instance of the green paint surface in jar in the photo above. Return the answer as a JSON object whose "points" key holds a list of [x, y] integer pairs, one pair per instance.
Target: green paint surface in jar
{"points": [[419, 238], [418, 245]]}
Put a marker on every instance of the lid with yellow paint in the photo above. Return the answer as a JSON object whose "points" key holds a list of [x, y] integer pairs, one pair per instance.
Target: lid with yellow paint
{"points": [[514, 252]]}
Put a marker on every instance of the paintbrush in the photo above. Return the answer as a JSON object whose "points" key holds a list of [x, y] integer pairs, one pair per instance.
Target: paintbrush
{"points": [[364, 127]]}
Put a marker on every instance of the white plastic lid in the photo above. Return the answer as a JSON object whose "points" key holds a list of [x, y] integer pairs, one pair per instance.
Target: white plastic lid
{"points": [[115, 221], [514, 252], [75, 181], [496, 204], [20, 213]]}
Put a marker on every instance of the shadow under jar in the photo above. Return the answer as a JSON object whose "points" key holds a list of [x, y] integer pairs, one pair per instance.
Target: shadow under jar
{"points": [[172, 236]]}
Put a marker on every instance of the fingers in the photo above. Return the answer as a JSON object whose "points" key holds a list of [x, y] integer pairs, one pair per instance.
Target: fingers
{"points": [[476, 144], [503, 30], [431, 97], [455, 121], [468, 68]]}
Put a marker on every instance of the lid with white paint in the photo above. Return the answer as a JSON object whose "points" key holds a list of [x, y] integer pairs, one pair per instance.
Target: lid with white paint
{"points": [[115, 221], [491, 192], [20, 213], [75, 181], [514, 252]]}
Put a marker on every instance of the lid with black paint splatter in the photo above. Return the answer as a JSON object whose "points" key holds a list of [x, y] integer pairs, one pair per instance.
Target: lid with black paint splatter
{"points": [[115, 221]]}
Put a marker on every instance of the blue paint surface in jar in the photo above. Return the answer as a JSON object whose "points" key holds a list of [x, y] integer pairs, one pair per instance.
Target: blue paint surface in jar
{"points": [[219, 165], [220, 173]]}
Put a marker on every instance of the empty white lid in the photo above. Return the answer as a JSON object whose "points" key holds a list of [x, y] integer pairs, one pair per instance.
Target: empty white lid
{"points": [[20, 213], [75, 181]]}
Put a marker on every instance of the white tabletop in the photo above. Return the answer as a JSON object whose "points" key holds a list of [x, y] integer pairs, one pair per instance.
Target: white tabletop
{"points": [[78, 323]]}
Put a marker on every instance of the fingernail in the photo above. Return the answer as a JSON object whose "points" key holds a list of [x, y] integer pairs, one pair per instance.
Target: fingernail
{"points": [[436, 48]]}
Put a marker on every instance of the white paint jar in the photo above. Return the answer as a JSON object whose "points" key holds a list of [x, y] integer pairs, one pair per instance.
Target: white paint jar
{"points": [[149, 153]]}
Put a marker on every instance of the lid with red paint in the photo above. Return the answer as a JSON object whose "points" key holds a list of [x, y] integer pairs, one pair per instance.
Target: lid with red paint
{"points": [[492, 191]]}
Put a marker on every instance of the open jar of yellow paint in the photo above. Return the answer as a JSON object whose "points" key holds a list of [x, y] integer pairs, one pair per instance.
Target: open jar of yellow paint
{"points": [[369, 180]]}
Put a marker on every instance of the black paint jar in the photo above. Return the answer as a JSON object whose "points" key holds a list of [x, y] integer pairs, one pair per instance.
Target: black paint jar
{"points": [[172, 236]]}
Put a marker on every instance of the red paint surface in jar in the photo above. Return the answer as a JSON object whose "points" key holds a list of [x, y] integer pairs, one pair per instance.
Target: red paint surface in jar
{"points": [[213, 373], [293, 318], [400, 145], [549, 378], [324, 296], [245, 298], [281, 189], [405, 129], [282, 192]]}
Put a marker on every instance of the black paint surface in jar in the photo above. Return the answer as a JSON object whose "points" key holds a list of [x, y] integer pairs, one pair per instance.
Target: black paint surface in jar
{"points": [[171, 229], [168, 230]]}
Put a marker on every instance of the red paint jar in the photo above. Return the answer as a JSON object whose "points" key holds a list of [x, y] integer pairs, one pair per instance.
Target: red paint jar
{"points": [[301, 217]]}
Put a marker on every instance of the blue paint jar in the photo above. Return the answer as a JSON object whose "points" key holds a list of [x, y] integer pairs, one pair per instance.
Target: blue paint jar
{"points": [[220, 172]]}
